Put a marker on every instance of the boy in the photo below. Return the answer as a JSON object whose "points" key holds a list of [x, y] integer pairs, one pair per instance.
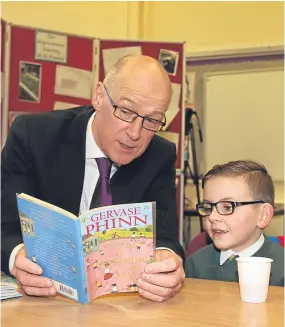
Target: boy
{"points": [[237, 206]]}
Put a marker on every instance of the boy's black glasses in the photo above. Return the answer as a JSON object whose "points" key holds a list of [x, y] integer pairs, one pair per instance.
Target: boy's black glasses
{"points": [[224, 208]]}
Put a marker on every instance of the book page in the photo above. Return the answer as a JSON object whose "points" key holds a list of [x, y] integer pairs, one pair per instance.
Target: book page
{"points": [[117, 241], [9, 288]]}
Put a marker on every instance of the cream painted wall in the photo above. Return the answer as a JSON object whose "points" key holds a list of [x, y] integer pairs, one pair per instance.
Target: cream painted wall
{"points": [[216, 25], [94, 18], [203, 25]]}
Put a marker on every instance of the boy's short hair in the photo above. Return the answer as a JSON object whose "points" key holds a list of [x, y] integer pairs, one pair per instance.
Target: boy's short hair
{"points": [[256, 176]]}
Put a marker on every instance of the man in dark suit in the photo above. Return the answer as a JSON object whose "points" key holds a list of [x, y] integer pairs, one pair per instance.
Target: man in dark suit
{"points": [[52, 156]]}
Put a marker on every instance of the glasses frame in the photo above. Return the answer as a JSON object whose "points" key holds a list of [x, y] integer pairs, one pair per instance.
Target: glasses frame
{"points": [[136, 115], [234, 205]]}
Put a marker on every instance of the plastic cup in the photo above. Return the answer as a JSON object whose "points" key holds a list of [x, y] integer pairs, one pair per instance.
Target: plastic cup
{"points": [[254, 273]]}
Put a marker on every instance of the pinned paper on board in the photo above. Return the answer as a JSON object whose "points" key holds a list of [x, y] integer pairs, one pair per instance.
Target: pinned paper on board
{"points": [[173, 107], [169, 60], [73, 82], [51, 47], [64, 105], [170, 136], [111, 56], [29, 81], [190, 88]]}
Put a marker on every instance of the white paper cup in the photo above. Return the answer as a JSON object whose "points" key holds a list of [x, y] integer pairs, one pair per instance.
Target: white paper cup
{"points": [[254, 273]]}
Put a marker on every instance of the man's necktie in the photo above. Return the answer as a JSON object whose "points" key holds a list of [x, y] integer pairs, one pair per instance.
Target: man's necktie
{"points": [[102, 194]]}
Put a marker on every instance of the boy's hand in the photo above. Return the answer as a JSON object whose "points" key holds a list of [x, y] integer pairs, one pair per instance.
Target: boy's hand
{"points": [[28, 275], [163, 278]]}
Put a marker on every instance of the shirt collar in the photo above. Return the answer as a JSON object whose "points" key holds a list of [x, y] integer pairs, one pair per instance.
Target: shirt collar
{"points": [[92, 149], [224, 256]]}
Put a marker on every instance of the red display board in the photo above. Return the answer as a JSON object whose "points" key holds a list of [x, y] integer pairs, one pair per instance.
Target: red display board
{"points": [[153, 49], [79, 55], [2, 63], [3, 31]]}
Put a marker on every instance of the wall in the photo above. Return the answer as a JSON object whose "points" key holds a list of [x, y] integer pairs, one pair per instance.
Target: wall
{"points": [[95, 18], [203, 25], [216, 25]]}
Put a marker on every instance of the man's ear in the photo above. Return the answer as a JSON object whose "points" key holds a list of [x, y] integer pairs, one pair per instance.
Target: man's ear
{"points": [[266, 214], [97, 96]]}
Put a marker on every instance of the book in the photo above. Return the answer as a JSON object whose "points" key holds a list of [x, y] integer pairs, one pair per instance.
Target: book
{"points": [[9, 288], [100, 252]]}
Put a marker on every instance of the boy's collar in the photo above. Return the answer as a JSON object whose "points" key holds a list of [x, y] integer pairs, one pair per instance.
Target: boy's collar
{"points": [[225, 255]]}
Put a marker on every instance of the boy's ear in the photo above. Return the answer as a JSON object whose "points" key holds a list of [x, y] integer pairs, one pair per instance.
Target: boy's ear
{"points": [[266, 214]]}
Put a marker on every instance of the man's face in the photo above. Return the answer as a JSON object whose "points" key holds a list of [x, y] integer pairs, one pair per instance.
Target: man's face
{"points": [[122, 141], [240, 229]]}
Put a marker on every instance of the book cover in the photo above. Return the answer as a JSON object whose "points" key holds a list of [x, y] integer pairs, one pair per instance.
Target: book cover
{"points": [[100, 252], [117, 241], [52, 239]]}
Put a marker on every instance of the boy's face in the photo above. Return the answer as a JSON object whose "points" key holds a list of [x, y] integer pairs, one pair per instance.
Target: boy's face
{"points": [[240, 229]]}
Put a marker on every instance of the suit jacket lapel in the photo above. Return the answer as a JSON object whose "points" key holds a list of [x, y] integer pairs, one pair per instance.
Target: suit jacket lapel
{"points": [[123, 183], [120, 186], [72, 163]]}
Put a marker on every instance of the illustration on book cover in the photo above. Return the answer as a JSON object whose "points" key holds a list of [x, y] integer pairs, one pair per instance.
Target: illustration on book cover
{"points": [[117, 244]]}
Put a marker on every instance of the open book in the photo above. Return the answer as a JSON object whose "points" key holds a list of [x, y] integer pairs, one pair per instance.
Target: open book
{"points": [[102, 251]]}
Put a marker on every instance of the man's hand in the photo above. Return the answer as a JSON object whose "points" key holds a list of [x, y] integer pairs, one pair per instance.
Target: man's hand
{"points": [[28, 275], [163, 278]]}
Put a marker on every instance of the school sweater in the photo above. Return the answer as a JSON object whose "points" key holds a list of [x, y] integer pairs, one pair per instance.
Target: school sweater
{"points": [[205, 264]]}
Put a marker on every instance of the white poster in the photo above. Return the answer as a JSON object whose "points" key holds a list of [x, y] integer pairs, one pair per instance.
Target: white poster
{"points": [[173, 107], [73, 82], [111, 56], [51, 47], [64, 105], [190, 88]]}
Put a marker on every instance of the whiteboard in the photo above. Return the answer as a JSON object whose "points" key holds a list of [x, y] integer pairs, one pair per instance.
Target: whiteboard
{"points": [[244, 119]]}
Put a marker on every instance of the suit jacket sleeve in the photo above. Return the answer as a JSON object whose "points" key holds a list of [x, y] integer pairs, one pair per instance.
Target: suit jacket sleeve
{"points": [[17, 176], [163, 191], [189, 268]]}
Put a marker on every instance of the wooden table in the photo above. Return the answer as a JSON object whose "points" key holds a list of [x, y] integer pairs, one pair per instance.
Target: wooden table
{"points": [[201, 303]]}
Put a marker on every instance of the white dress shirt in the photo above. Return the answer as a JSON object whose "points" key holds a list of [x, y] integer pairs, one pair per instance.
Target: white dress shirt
{"points": [[224, 256], [91, 176]]}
